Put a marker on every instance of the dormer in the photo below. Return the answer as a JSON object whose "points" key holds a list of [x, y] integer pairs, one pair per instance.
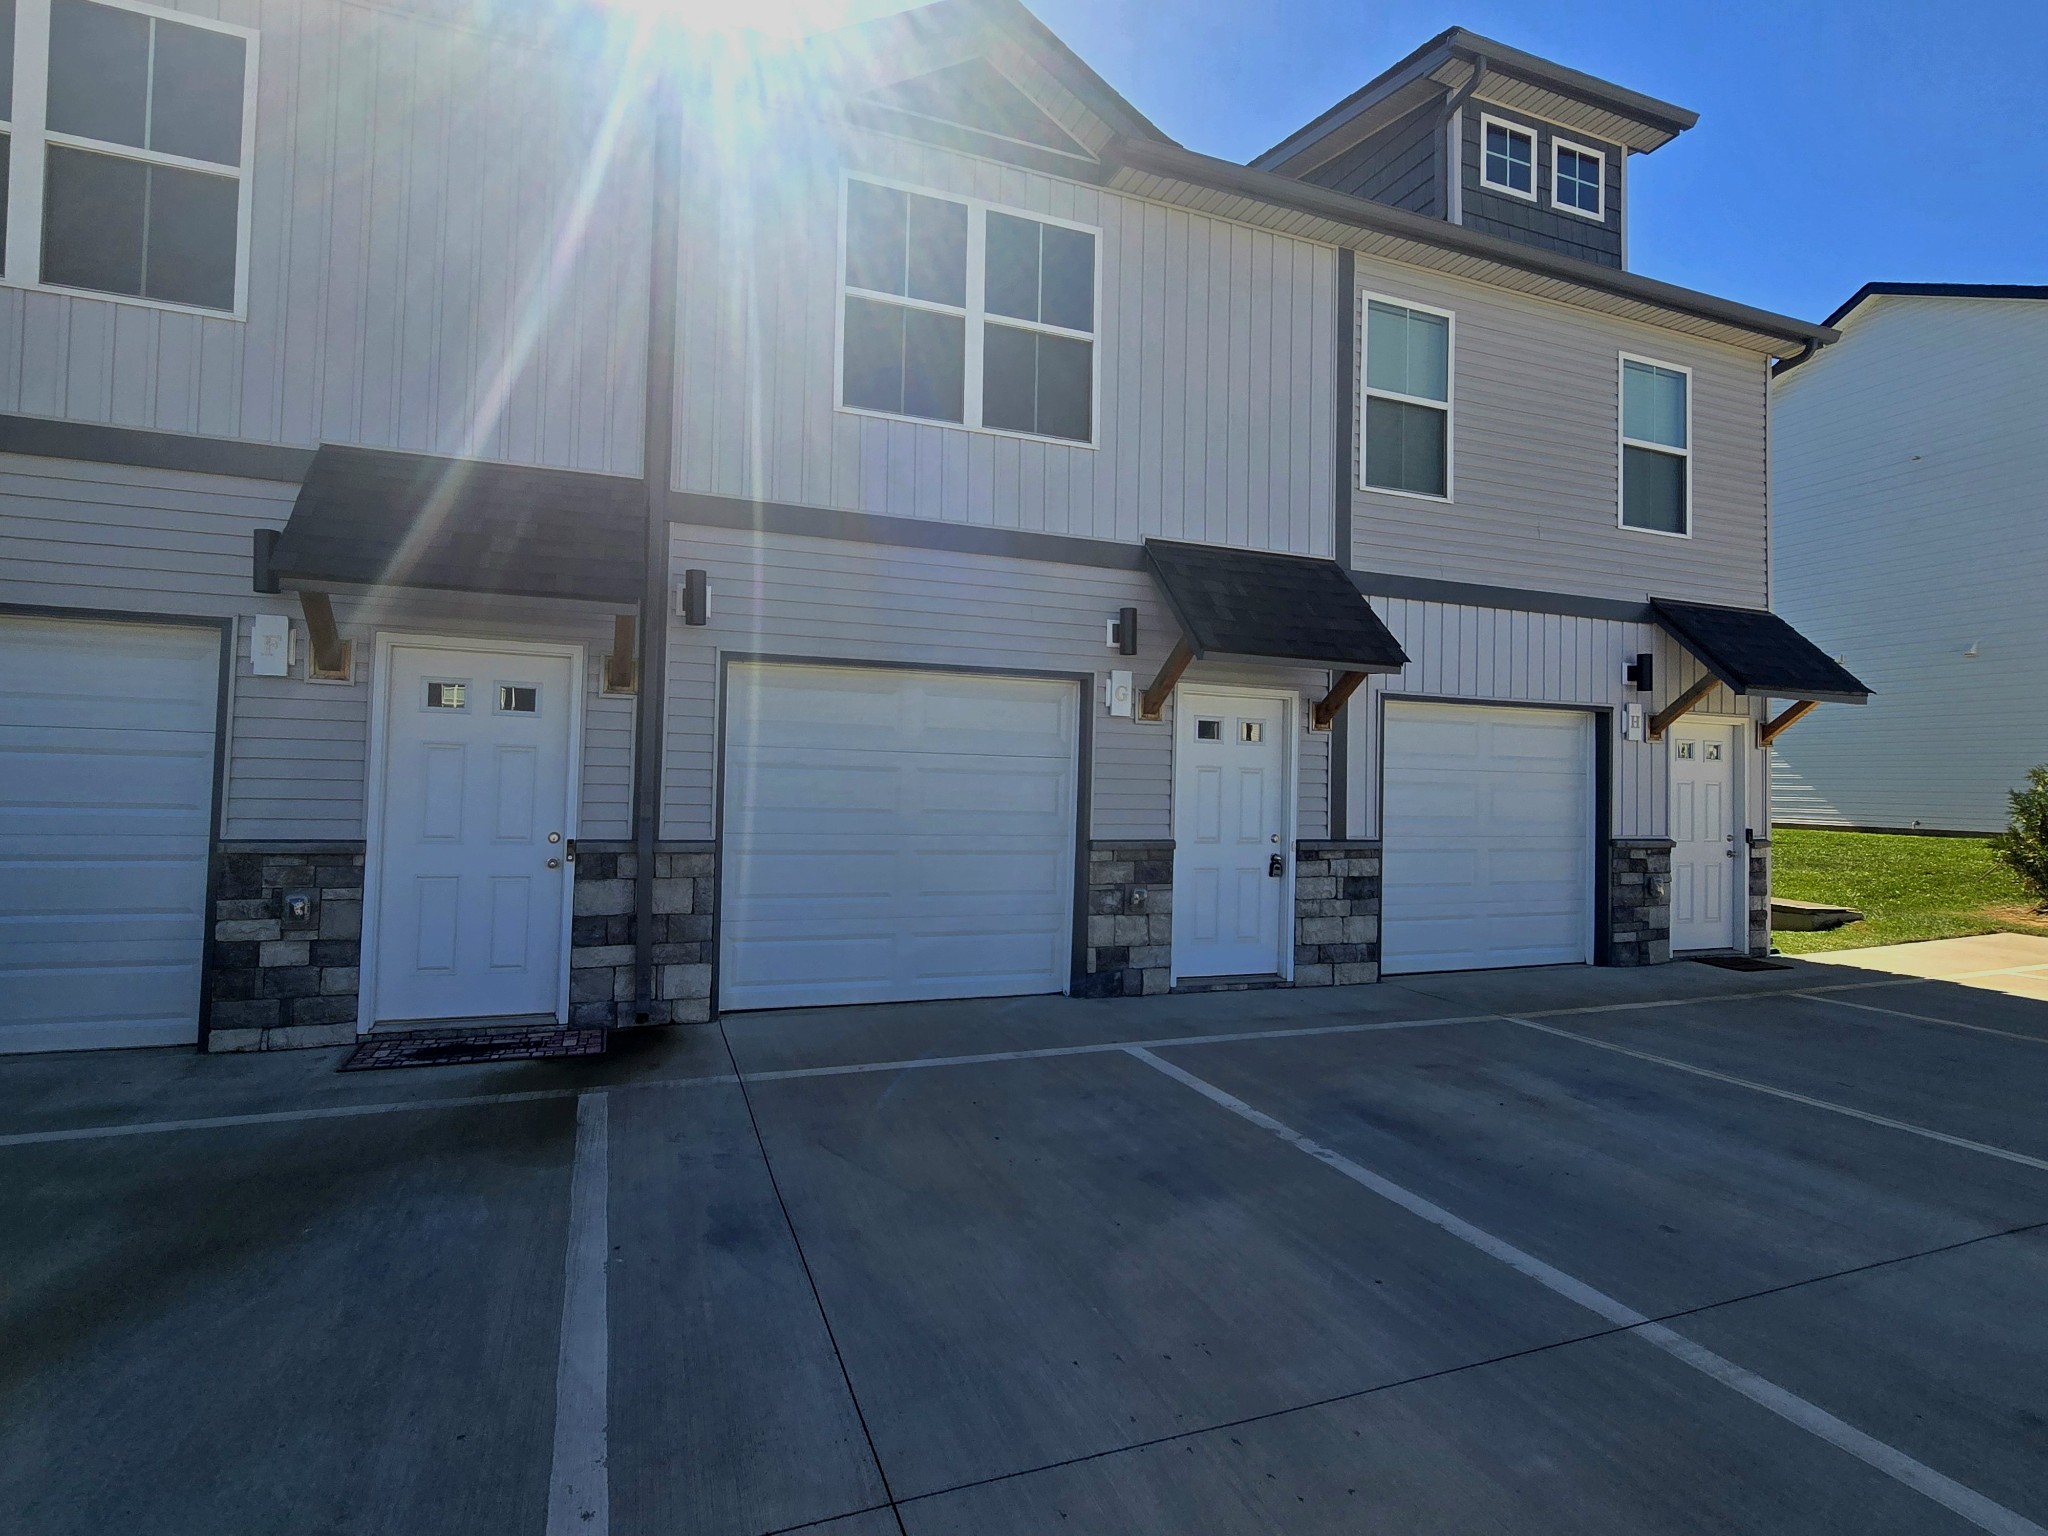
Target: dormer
{"points": [[1477, 133]]}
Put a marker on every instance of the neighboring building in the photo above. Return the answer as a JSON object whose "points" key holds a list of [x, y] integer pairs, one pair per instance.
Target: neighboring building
{"points": [[1059, 562], [1909, 472]]}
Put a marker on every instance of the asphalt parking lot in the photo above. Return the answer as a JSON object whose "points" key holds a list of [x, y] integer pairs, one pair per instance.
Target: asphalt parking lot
{"points": [[1563, 1251]]}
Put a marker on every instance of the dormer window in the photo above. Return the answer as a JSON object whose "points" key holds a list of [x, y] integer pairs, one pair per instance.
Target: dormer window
{"points": [[1577, 178], [1507, 158]]}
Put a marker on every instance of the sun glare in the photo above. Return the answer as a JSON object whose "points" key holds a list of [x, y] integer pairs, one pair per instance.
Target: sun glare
{"points": [[782, 21]]}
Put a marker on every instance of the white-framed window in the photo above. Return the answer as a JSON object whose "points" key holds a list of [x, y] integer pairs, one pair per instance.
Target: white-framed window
{"points": [[1578, 179], [130, 141], [1405, 444], [1656, 447], [954, 310], [1507, 157]]}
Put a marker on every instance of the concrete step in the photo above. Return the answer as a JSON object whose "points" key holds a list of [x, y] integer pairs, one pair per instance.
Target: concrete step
{"points": [[1810, 916]]}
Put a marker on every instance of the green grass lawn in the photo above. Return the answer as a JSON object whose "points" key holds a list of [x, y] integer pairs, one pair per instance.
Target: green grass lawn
{"points": [[1907, 888]]}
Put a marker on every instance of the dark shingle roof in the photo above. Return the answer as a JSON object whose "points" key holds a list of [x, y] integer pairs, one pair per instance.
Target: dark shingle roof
{"points": [[1240, 602], [1754, 651], [372, 518]]}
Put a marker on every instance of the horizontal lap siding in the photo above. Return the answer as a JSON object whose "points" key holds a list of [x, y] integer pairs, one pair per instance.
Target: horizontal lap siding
{"points": [[1505, 656], [830, 599], [85, 535], [297, 750], [1908, 464], [1215, 367], [448, 253], [1537, 457]]}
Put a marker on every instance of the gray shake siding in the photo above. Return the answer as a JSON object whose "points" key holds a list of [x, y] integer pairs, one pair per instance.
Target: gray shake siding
{"points": [[1539, 223], [1537, 456], [1398, 165], [420, 276], [1216, 367], [123, 539], [832, 599]]}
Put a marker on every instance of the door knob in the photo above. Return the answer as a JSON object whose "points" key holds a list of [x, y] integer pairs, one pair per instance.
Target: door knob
{"points": [[1275, 866], [554, 863]]}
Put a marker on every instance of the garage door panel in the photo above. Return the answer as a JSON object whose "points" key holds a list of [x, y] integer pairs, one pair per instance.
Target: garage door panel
{"points": [[915, 840], [106, 799], [1488, 837]]}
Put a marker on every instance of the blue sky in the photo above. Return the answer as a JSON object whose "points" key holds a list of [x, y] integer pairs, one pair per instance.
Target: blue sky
{"points": [[1838, 143]]}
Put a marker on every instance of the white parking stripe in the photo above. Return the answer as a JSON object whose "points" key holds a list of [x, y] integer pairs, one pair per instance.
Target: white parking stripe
{"points": [[1986, 1514], [579, 1487], [339, 1112], [1786, 1093], [1110, 1047], [285, 1116], [1928, 1018]]}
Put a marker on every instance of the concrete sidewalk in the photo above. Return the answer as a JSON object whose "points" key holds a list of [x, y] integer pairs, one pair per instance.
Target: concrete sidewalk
{"points": [[2014, 963]]}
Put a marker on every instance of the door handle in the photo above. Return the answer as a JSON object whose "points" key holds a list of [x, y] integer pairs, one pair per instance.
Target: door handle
{"points": [[554, 863], [1276, 866]]}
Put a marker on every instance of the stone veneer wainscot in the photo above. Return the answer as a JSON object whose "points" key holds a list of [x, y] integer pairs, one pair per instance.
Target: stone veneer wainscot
{"points": [[1130, 920], [277, 981], [1639, 901]]}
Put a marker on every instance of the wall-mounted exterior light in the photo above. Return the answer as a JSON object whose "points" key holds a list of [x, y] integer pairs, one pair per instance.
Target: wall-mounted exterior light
{"points": [[693, 604]]}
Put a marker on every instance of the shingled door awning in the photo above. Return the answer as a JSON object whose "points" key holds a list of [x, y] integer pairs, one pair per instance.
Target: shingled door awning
{"points": [[366, 517], [1751, 651], [1247, 605]]}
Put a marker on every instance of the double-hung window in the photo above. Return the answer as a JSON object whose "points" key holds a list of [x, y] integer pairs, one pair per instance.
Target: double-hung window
{"points": [[1507, 158], [1577, 179], [1656, 447], [129, 152], [954, 311], [1407, 436]]}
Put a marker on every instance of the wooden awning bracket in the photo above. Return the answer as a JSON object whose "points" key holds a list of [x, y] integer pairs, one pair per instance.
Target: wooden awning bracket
{"points": [[622, 666], [1668, 716], [330, 658], [1324, 715], [1795, 712], [1153, 701]]}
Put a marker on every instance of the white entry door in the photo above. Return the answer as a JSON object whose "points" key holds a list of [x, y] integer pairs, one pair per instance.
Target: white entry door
{"points": [[106, 813], [1232, 820], [894, 835], [477, 805], [1708, 854], [1488, 851]]}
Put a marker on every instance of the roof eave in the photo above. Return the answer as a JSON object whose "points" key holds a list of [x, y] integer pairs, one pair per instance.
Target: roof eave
{"points": [[1773, 334]]}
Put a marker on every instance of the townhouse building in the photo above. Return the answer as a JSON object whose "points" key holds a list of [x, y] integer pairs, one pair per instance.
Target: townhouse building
{"points": [[531, 520]]}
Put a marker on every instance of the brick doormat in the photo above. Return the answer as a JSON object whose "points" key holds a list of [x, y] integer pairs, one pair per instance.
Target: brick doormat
{"points": [[449, 1048], [1740, 963]]}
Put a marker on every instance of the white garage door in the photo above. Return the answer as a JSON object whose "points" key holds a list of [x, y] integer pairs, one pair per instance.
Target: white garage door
{"points": [[895, 835], [106, 755], [1488, 838]]}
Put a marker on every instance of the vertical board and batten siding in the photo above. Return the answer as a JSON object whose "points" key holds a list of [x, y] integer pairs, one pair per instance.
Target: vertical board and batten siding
{"points": [[826, 599], [297, 750], [1537, 456], [1215, 365], [140, 541], [448, 254], [1505, 656], [1908, 463]]}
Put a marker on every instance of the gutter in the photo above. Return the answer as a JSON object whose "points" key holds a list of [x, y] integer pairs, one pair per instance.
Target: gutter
{"points": [[1447, 165], [1367, 217]]}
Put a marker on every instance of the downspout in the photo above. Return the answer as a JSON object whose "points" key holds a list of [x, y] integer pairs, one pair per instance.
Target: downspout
{"points": [[658, 457], [1446, 169]]}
